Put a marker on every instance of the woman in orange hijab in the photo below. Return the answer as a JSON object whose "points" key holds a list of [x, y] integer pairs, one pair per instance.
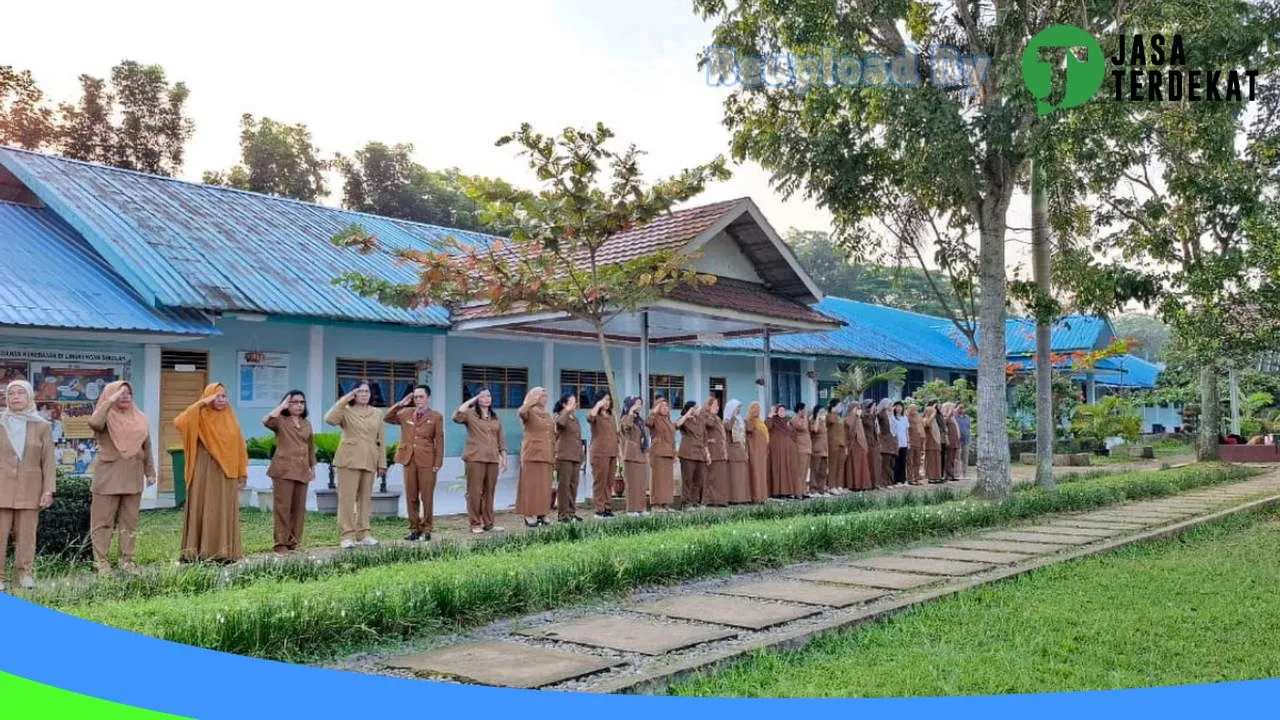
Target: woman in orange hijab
{"points": [[124, 465], [217, 467]]}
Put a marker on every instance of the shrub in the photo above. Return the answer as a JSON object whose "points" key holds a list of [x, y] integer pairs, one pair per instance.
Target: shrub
{"points": [[63, 530], [261, 448], [326, 446], [291, 620], [1113, 416]]}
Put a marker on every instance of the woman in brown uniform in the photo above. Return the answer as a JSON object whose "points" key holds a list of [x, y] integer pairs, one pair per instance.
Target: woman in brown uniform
{"points": [[122, 469], [484, 457], [694, 458], [932, 446], [860, 451], [662, 454], [27, 478], [570, 452], [361, 456], [716, 491], [421, 453], [818, 458], [217, 467], [852, 431], [635, 446], [804, 449], [915, 447], [782, 454], [604, 455], [952, 461], [735, 431], [887, 444], [757, 454], [537, 459], [837, 450], [292, 468], [872, 433]]}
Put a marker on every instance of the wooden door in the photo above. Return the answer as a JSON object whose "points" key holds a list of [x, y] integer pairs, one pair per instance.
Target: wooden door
{"points": [[183, 376]]}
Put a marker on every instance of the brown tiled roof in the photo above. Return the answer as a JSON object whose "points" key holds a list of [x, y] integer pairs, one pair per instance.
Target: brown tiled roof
{"points": [[748, 297], [667, 232]]}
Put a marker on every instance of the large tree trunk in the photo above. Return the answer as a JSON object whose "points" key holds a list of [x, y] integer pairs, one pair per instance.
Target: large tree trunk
{"points": [[993, 437], [1045, 427], [1210, 414], [618, 410]]}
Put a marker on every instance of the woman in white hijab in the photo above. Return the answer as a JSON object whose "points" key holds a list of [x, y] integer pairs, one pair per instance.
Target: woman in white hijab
{"points": [[736, 430], [27, 478]]}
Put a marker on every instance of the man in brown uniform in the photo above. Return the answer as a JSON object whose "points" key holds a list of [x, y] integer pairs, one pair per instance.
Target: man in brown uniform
{"points": [[837, 446], [888, 444], [604, 455], [421, 452], [695, 459], [570, 453]]}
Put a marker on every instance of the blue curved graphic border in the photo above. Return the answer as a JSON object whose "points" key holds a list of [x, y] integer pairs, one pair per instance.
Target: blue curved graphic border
{"points": [[65, 652]]}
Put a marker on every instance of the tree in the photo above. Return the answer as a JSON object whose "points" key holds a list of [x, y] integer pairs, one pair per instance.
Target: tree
{"points": [[855, 380], [934, 164], [899, 286], [139, 122], [25, 120], [385, 180], [276, 159], [552, 261], [1187, 193], [1045, 310], [1148, 333]]}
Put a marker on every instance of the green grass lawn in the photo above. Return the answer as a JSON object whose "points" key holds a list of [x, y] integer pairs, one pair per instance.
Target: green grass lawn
{"points": [[1200, 608]]}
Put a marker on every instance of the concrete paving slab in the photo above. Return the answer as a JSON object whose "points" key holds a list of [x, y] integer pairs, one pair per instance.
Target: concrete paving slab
{"points": [[724, 610], [504, 664], [809, 593], [846, 575], [977, 556], [630, 634], [1005, 546], [923, 566], [1051, 529], [1097, 524], [1048, 539]]}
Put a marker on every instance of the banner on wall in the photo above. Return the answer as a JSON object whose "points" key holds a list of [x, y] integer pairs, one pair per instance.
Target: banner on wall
{"points": [[67, 385], [264, 378]]}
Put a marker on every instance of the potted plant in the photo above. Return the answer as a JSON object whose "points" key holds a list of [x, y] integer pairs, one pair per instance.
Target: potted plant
{"points": [[260, 451], [386, 503], [326, 448], [1113, 416]]}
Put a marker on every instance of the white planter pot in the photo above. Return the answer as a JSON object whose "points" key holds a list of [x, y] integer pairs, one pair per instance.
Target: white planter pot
{"points": [[266, 501], [385, 505], [246, 497]]}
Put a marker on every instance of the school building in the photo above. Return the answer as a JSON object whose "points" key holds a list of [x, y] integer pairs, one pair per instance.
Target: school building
{"points": [[170, 284]]}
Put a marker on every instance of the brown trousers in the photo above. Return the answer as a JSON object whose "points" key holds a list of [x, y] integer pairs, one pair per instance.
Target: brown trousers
{"points": [[567, 487], [887, 462], [22, 524], [602, 472], [693, 476], [835, 470], [818, 474], [420, 496], [915, 462], [482, 483], [636, 476], [355, 500], [949, 461], [290, 500], [107, 513]]}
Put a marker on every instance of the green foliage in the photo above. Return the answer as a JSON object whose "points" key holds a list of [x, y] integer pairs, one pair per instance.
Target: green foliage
{"points": [[1112, 416], [856, 379], [938, 391], [326, 446], [261, 448], [276, 159], [292, 621], [26, 121], [1066, 396], [1149, 335], [63, 529]]}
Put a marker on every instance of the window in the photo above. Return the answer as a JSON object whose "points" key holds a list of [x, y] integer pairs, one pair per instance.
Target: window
{"points": [[878, 391], [915, 379], [389, 381], [507, 385], [786, 382], [672, 386], [588, 385]]}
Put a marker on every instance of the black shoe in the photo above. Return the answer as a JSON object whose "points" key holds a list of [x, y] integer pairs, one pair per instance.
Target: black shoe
{"points": [[413, 537], [543, 521], [576, 518], [530, 523], [426, 536]]}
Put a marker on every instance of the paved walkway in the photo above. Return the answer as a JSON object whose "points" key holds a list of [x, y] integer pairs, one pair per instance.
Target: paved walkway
{"points": [[655, 637]]}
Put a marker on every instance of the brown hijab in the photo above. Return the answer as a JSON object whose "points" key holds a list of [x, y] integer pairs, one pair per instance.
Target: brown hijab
{"points": [[128, 428]]}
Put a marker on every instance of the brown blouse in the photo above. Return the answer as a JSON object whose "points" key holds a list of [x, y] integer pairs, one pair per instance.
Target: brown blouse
{"points": [[363, 441], [818, 435], [604, 435], [539, 442], [631, 438], [693, 439], [837, 434], [568, 437], [295, 455], [112, 474], [485, 443], [888, 441], [421, 443], [737, 451], [804, 441], [22, 482], [716, 442], [662, 441]]}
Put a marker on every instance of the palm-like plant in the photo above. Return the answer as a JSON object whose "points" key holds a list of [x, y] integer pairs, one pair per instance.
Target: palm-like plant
{"points": [[856, 378]]}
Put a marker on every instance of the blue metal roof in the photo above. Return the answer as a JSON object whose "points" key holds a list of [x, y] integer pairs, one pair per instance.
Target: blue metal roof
{"points": [[1071, 333], [871, 332], [54, 279], [182, 244], [1128, 371]]}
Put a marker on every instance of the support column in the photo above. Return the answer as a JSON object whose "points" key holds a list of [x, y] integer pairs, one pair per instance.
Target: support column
{"points": [[698, 388], [315, 378], [762, 370], [768, 371], [439, 384], [811, 385], [151, 405], [548, 372], [1234, 383], [1090, 389], [644, 356], [629, 375]]}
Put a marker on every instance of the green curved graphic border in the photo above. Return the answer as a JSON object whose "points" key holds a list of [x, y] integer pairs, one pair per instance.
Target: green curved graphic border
{"points": [[21, 699]]}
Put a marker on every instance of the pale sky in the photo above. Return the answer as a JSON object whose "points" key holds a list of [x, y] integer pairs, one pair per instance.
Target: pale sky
{"points": [[448, 77]]}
